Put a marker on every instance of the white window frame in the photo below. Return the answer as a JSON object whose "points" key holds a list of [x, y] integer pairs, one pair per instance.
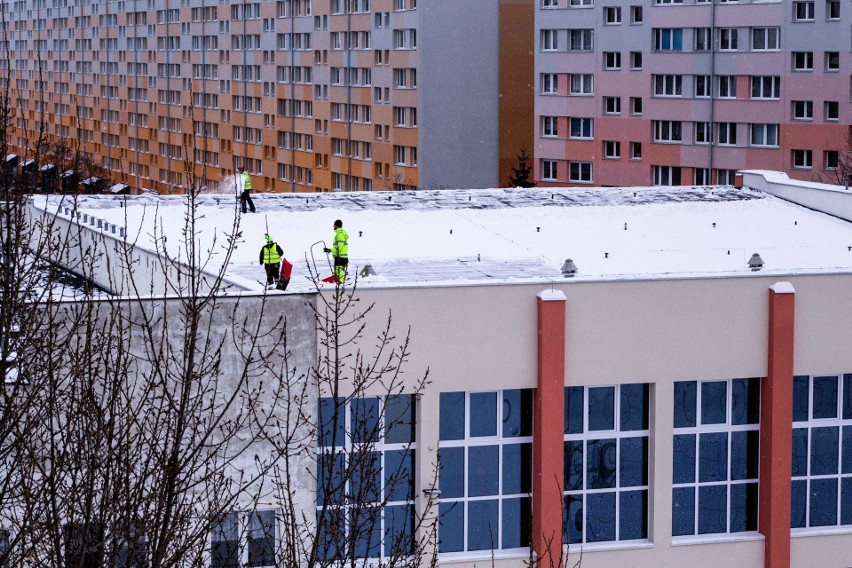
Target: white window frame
{"points": [[802, 159], [764, 135], [580, 172]]}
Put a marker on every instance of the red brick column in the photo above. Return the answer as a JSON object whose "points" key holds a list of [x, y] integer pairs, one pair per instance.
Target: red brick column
{"points": [[776, 429], [549, 416]]}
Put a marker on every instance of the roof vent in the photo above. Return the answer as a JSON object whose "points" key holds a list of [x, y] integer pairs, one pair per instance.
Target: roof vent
{"points": [[569, 269], [367, 271], [755, 262]]}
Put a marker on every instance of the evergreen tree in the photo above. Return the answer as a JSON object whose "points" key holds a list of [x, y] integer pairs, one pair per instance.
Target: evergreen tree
{"points": [[522, 174]]}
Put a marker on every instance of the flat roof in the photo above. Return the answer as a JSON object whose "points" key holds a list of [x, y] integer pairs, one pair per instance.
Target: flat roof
{"points": [[451, 237]]}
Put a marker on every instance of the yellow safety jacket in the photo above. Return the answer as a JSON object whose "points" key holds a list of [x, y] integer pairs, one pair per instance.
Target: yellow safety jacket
{"points": [[246, 181], [340, 245], [269, 254]]}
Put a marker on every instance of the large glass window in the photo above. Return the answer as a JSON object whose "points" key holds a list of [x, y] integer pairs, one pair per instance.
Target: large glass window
{"points": [[715, 456], [606, 464], [822, 451], [485, 462], [365, 477]]}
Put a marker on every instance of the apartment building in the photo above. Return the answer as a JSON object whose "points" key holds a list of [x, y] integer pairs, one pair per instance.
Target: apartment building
{"points": [[671, 92], [308, 95]]}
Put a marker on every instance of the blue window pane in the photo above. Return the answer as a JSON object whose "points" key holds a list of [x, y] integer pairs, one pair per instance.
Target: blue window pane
{"points": [[399, 475], [517, 468], [745, 401], [331, 433], [365, 420], [683, 455], [332, 524], [714, 400], [633, 511], [600, 464], [824, 450], [483, 414], [600, 517], [602, 408], [572, 522], [399, 530], [634, 407], [574, 410], [847, 397], [452, 416], [800, 399], [451, 526], [677, 37], [825, 397], [451, 481], [517, 413], [800, 451], [483, 474], [573, 465], [364, 471], [744, 507], [685, 400], [823, 507], [365, 528], [846, 500], [745, 454], [517, 522], [798, 504], [713, 457], [712, 509], [633, 467], [847, 450], [330, 480], [400, 418], [683, 511], [482, 527]]}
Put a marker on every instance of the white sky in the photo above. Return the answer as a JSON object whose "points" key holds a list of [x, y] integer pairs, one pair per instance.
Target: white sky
{"points": [[510, 235]]}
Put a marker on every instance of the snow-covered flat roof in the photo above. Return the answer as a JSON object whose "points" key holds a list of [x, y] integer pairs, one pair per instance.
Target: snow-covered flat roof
{"points": [[452, 237]]}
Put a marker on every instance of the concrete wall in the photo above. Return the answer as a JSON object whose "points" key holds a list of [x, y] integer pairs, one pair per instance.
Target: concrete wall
{"points": [[832, 199]]}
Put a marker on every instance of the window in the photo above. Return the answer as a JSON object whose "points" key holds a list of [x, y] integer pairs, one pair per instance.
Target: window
{"points": [[764, 135], [611, 60], [582, 84], [727, 133], [802, 159], [549, 83], [365, 474], [635, 150], [259, 544], [581, 128], [832, 9], [832, 110], [803, 110], [580, 40], [580, 172], [668, 39], [726, 86], [701, 39], [612, 15], [548, 169], [803, 11], [549, 3], [667, 131], [549, 41], [701, 176], [726, 177], [494, 431], [612, 149], [832, 61], [612, 105], [765, 87], [727, 39], [549, 126], [580, 3], [666, 175], [702, 133], [606, 464], [715, 456], [668, 85], [765, 39], [636, 15], [821, 494], [803, 61], [636, 60], [702, 86], [830, 159], [636, 106]]}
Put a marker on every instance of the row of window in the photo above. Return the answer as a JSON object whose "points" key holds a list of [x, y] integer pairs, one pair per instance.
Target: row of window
{"points": [[802, 10]]}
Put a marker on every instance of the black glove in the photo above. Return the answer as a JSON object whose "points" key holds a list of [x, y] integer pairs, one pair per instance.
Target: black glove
{"points": [[326, 250], [261, 263]]}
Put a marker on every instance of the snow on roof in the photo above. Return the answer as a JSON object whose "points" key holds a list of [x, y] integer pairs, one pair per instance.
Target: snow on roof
{"points": [[452, 237]]}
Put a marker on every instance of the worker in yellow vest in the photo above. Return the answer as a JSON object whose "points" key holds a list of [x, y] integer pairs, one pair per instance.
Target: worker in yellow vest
{"points": [[340, 252], [242, 181], [270, 258]]}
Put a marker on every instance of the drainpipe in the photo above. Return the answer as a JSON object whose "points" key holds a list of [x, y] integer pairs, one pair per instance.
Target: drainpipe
{"points": [[712, 86], [348, 114]]}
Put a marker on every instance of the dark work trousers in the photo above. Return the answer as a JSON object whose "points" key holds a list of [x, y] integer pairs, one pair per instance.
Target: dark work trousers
{"points": [[245, 198], [272, 271]]}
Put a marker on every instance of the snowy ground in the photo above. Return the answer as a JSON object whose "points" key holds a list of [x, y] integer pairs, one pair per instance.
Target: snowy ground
{"points": [[499, 235]]}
